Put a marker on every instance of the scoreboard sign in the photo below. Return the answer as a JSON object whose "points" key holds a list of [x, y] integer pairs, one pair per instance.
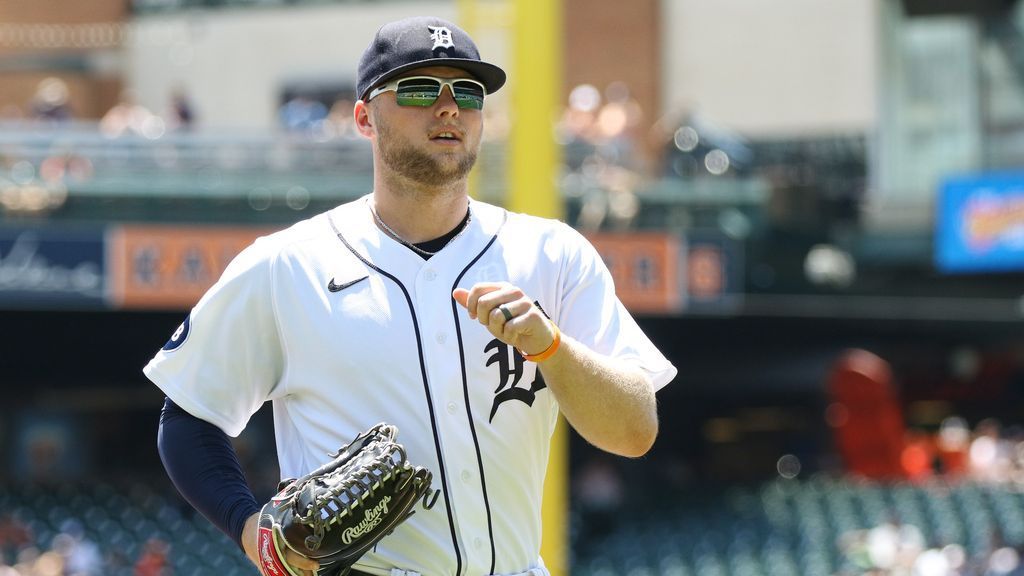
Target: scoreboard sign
{"points": [[49, 268], [646, 269], [165, 267], [662, 273], [980, 224]]}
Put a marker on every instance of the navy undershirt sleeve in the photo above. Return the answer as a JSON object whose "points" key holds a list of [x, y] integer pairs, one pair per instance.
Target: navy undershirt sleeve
{"points": [[203, 465]]}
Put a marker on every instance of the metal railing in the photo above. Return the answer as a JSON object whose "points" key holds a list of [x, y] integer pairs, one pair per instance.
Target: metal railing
{"points": [[60, 169], [75, 170]]}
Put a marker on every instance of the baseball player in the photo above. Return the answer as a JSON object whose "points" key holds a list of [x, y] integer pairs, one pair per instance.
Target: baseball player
{"points": [[468, 327]]}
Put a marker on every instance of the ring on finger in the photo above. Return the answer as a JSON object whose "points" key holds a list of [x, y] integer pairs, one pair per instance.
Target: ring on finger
{"points": [[505, 312]]}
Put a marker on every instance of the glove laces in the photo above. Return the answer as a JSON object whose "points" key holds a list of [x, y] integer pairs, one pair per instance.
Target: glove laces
{"points": [[349, 487]]}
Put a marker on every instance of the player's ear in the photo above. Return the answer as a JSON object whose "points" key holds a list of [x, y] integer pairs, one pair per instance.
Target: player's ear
{"points": [[363, 118]]}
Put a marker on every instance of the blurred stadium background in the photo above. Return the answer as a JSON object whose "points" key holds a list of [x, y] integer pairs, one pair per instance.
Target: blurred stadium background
{"points": [[815, 208]]}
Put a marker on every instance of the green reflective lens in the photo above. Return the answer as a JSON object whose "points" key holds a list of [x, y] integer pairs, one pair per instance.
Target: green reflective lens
{"points": [[468, 95], [425, 91], [418, 92]]}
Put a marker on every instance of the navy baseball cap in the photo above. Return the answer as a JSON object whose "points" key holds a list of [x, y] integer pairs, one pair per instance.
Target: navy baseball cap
{"points": [[419, 42]]}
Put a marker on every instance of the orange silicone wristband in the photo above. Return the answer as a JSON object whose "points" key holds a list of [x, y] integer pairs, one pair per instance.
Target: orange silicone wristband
{"points": [[541, 356]]}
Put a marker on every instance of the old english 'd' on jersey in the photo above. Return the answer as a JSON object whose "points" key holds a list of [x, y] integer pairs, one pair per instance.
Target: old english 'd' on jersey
{"points": [[342, 327]]}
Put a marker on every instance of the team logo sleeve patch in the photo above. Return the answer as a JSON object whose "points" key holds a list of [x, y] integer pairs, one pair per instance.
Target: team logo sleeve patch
{"points": [[180, 335]]}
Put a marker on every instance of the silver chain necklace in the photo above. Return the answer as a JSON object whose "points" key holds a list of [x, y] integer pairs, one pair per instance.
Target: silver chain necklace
{"points": [[407, 244]]}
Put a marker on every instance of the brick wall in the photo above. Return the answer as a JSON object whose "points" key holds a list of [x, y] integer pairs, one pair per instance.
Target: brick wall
{"points": [[44, 38], [62, 11], [612, 40]]}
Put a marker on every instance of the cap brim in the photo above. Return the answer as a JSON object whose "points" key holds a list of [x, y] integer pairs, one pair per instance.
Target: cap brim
{"points": [[491, 76]]}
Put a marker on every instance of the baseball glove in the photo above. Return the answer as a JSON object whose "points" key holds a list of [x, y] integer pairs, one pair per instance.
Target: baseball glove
{"points": [[337, 512]]}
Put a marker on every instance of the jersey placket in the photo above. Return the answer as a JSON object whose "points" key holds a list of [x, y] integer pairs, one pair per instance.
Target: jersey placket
{"points": [[441, 354]]}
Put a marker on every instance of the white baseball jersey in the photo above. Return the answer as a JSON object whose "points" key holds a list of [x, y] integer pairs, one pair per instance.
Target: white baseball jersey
{"points": [[342, 327]]}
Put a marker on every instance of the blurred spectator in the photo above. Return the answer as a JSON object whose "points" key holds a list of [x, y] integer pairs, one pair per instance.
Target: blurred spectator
{"points": [[118, 562], [45, 448], [948, 561], [892, 547], [15, 536], [601, 154], [695, 145], [49, 563], [918, 457], [81, 556], [51, 101], [153, 561], [990, 455], [610, 202], [952, 445], [340, 122], [616, 123], [128, 117], [576, 126], [302, 114], [26, 560], [181, 115], [1004, 561]]}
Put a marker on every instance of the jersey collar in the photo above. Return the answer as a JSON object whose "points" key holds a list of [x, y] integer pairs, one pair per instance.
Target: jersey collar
{"points": [[355, 222]]}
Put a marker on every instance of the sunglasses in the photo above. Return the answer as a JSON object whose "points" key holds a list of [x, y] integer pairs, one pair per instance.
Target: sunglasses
{"points": [[425, 90]]}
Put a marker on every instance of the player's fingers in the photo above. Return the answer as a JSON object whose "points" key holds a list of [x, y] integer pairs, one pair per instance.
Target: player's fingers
{"points": [[503, 312], [489, 302], [497, 318], [461, 295], [301, 562], [503, 316], [527, 323], [473, 296]]}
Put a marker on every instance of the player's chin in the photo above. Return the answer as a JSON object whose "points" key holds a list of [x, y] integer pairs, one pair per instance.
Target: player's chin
{"points": [[455, 162], [451, 157], [441, 175]]}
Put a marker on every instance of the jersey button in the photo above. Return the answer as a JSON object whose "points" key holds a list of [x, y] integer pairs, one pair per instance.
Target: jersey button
{"points": [[466, 476], [441, 337], [478, 542], [430, 275], [452, 407]]}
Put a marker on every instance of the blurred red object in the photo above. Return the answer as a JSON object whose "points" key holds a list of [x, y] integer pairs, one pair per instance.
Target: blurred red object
{"points": [[153, 560], [866, 417], [918, 456]]}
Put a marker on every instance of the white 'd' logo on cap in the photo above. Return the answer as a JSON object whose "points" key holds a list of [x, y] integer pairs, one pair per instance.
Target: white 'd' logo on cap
{"points": [[441, 36]]}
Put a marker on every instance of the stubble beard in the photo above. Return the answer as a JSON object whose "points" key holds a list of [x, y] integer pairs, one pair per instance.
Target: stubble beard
{"points": [[417, 165]]}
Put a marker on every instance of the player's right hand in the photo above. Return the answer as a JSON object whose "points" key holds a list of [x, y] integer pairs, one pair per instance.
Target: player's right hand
{"points": [[526, 328], [298, 562]]}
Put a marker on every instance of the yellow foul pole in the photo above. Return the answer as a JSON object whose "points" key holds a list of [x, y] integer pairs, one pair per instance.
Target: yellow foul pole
{"points": [[534, 165], [469, 18], [536, 83]]}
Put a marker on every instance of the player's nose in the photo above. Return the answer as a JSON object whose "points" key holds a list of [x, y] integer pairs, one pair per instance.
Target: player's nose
{"points": [[446, 105]]}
